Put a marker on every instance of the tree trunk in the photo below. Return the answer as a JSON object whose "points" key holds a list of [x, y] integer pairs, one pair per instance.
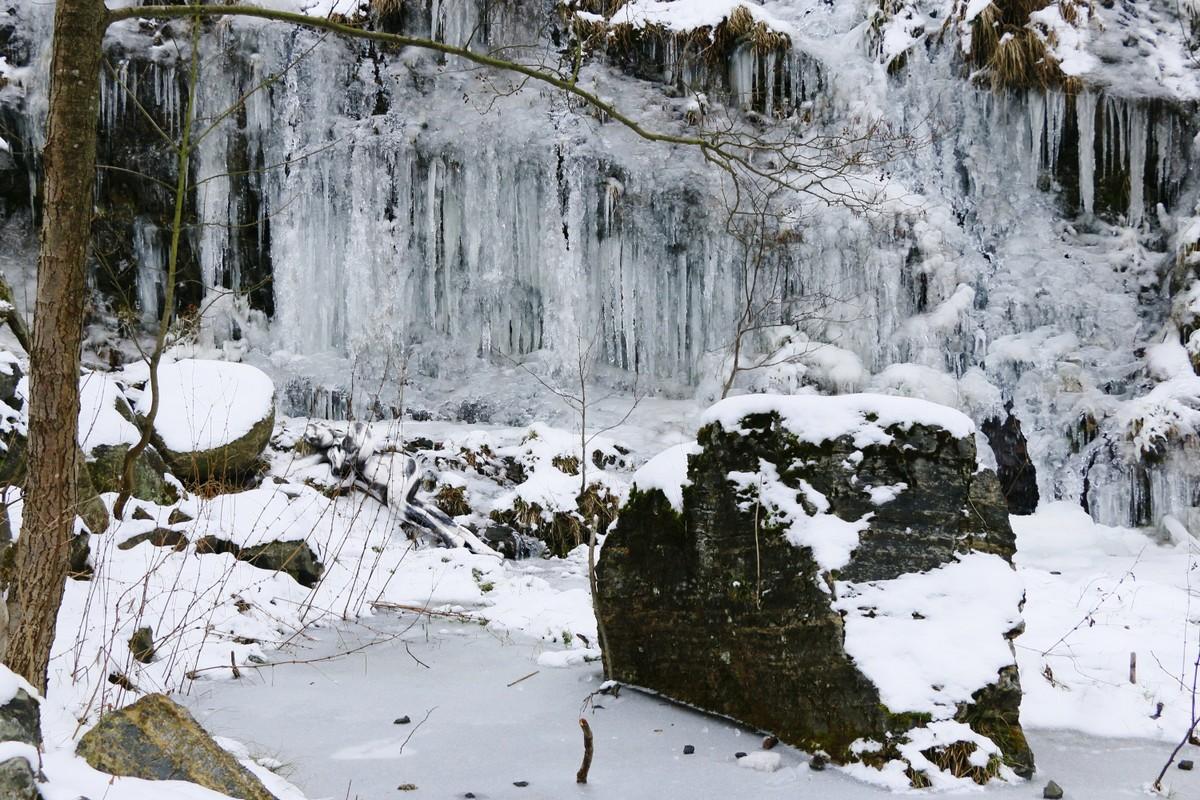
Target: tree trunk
{"points": [[50, 491]]}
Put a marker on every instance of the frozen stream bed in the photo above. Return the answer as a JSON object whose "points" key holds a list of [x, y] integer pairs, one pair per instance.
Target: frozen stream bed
{"points": [[331, 723]]}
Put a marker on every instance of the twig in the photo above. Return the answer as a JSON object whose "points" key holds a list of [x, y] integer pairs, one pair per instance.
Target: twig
{"points": [[523, 677], [414, 658], [414, 730], [582, 775]]}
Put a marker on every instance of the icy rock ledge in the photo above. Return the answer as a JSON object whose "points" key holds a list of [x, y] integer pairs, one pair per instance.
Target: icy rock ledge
{"points": [[834, 570]]}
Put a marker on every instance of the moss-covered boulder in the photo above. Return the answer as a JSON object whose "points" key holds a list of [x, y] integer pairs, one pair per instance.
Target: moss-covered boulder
{"points": [[106, 463], [157, 739], [834, 570], [214, 418]]}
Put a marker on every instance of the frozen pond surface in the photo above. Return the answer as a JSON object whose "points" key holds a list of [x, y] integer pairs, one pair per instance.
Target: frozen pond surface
{"points": [[332, 724]]}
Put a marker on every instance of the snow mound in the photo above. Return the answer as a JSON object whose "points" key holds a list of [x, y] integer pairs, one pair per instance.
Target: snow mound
{"points": [[208, 404], [667, 472], [817, 418], [930, 640], [100, 423]]}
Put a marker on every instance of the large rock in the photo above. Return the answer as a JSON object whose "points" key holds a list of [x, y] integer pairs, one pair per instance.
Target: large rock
{"points": [[214, 418], [20, 721], [20, 718], [17, 781], [157, 739], [292, 557], [834, 570]]}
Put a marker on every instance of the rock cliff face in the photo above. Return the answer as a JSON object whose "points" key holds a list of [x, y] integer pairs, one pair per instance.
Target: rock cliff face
{"points": [[819, 548]]}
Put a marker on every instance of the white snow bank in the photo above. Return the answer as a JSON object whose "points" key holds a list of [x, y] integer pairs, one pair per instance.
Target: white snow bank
{"points": [[688, 15], [11, 683], [100, 423], [207, 404], [667, 472], [817, 418], [1095, 594], [930, 640]]}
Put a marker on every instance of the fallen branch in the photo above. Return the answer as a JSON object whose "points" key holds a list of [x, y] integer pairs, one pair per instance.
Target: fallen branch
{"points": [[581, 776]]}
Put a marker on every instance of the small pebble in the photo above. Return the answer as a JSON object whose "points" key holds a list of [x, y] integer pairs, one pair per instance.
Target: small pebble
{"points": [[818, 762], [469, 796], [407, 787], [1052, 791], [1186, 765], [770, 742], [739, 755], [688, 749], [402, 721], [520, 784]]}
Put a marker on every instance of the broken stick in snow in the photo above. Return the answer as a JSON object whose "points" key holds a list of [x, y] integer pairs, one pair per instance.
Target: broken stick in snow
{"points": [[581, 776]]}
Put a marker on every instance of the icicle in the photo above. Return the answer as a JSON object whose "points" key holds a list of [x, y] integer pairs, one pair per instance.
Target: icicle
{"points": [[1056, 117], [1035, 106], [1085, 111], [1137, 163]]}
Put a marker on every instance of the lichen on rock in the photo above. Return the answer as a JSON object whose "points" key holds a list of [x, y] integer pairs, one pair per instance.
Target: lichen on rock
{"points": [[157, 739]]}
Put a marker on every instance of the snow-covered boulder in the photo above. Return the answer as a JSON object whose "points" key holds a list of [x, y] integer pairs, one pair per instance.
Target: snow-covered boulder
{"points": [[835, 570], [214, 417]]}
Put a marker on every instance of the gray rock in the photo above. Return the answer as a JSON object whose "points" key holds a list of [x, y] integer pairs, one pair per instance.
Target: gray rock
{"points": [[295, 558], [20, 720], [107, 463], [1052, 791], [1186, 765], [17, 781]]}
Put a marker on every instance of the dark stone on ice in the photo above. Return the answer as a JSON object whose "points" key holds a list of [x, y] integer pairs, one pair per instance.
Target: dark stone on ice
{"points": [[688, 749], [1186, 765], [520, 784], [402, 721], [739, 754], [1052, 791]]}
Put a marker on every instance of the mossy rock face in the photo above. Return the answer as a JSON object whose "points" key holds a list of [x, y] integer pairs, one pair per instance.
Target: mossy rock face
{"points": [[231, 461], [107, 463], [157, 739], [17, 781], [712, 606]]}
